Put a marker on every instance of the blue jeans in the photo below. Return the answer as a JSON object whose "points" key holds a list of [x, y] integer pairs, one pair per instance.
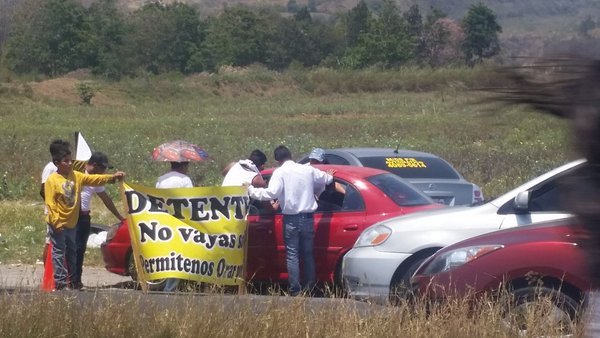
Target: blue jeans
{"points": [[298, 235], [64, 256], [82, 234]]}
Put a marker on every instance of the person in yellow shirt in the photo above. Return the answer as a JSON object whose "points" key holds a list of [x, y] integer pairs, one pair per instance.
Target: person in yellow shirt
{"points": [[62, 198]]}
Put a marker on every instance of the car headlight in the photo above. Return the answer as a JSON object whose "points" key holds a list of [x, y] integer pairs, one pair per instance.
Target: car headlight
{"points": [[374, 235], [455, 258]]}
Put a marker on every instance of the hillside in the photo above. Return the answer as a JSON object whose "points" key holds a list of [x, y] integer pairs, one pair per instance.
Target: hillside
{"points": [[530, 28], [556, 19], [454, 8]]}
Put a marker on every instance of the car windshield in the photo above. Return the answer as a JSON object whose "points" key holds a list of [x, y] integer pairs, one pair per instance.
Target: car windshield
{"points": [[402, 193], [412, 167]]}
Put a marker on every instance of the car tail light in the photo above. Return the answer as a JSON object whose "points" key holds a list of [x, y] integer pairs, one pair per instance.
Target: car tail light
{"points": [[477, 194], [110, 234]]}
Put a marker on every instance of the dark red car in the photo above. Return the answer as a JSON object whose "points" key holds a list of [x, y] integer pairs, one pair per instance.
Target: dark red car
{"points": [[371, 195], [532, 260]]}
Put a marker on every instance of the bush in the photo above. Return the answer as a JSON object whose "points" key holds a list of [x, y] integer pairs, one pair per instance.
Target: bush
{"points": [[86, 92]]}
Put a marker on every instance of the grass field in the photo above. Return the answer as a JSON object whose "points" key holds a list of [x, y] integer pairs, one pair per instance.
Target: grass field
{"points": [[238, 110], [229, 114], [137, 315]]}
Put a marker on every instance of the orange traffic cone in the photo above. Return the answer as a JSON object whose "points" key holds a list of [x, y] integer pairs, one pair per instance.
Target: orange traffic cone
{"points": [[48, 278]]}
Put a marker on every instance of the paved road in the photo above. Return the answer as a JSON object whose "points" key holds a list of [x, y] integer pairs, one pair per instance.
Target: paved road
{"points": [[103, 287], [29, 277]]}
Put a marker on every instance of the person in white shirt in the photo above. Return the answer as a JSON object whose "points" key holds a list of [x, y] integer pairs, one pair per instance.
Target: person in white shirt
{"points": [[293, 184], [227, 167], [97, 164], [176, 178], [247, 172], [49, 169]]}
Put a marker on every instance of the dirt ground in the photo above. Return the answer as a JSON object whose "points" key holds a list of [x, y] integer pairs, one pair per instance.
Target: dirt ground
{"points": [[29, 276], [65, 89]]}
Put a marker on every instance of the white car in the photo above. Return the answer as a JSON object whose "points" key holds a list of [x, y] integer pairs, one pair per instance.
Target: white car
{"points": [[386, 254]]}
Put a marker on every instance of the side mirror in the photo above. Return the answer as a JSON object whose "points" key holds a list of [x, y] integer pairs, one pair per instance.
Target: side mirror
{"points": [[522, 201]]}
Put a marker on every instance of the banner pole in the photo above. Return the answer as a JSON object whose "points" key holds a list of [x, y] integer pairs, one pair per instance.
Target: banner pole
{"points": [[242, 287], [141, 277]]}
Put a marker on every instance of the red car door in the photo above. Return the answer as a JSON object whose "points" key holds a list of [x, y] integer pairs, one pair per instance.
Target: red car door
{"points": [[338, 222], [262, 243]]}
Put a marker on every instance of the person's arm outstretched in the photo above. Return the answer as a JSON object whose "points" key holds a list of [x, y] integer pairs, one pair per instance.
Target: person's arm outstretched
{"points": [[271, 192], [110, 205]]}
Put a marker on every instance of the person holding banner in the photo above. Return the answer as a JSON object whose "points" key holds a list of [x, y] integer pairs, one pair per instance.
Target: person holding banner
{"points": [[97, 164], [247, 171], [62, 198], [49, 169], [294, 185], [176, 178]]}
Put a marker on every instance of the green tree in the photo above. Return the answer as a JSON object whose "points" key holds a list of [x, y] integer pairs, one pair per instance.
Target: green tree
{"points": [[51, 37], [357, 22], [7, 9], [481, 34], [386, 42], [164, 38], [302, 40], [292, 6], [379, 46], [108, 27], [414, 21], [290, 42], [237, 37], [303, 15]]}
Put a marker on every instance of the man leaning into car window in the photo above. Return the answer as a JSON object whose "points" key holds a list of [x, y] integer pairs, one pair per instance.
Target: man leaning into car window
{"points": [[317, 156], [293, 184]]}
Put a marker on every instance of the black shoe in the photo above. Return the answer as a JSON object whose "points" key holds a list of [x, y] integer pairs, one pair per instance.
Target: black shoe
{"points": [[62, 287], [77, 285]]}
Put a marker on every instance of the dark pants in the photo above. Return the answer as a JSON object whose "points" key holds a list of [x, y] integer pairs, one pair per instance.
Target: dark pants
{"points": [[81, 238]]}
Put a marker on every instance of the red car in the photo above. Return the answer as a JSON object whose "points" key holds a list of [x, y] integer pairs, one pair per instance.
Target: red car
{"points": [[529, 260], [371, 195]]}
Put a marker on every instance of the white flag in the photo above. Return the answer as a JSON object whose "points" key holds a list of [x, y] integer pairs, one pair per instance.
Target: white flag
{"points": [[83, 152]]}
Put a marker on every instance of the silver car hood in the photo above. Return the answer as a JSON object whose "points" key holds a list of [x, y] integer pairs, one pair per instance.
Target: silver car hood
{"points": [[439, 218], [481, 216]]}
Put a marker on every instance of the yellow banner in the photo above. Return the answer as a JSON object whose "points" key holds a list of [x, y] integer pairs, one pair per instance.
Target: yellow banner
{"points": [[189, 233]]}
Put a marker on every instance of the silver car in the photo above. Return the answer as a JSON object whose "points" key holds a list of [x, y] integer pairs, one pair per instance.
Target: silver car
{"points": [[379, 266], [430, 173]]}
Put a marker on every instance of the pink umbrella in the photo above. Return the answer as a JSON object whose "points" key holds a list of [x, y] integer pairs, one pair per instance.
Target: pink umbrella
{"points": [[179, 151]]}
